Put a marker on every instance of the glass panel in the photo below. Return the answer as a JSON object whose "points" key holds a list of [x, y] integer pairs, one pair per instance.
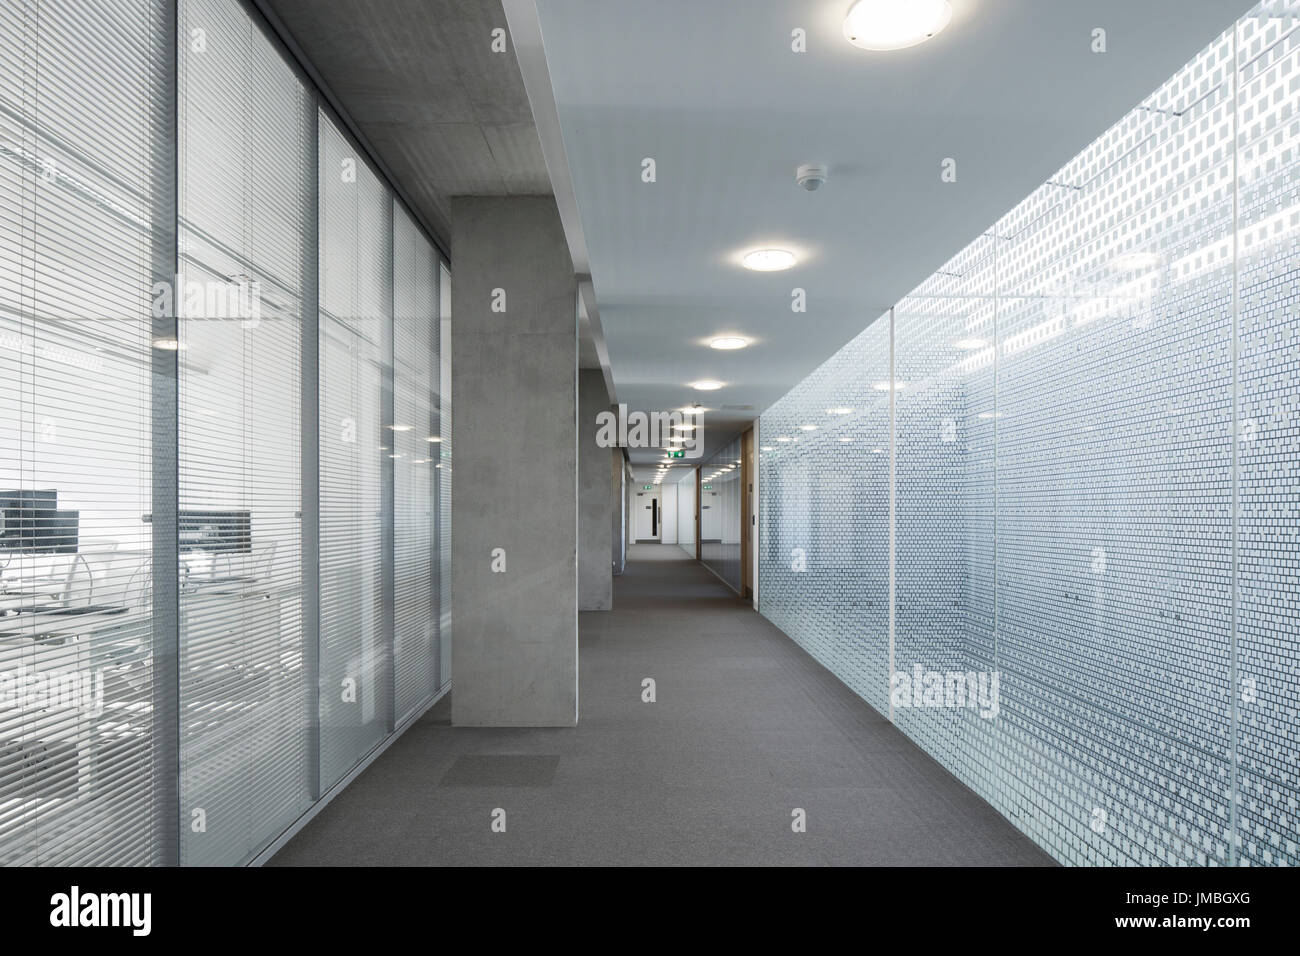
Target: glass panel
{"points": [[415, 325], [1114, 521], [1268, 434], [824, 514], [84, 182], [944, 680], [247, 191], [356, 299], [442, 463], [686, 513], [720, 506]]}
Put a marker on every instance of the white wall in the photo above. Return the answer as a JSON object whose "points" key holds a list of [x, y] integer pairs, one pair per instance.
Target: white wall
{"points": [[668, 514]]}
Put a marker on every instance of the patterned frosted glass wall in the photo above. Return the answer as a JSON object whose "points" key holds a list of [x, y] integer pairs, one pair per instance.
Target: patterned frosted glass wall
{"points": [[1268, 433], [1068, 461], [824, 514]]}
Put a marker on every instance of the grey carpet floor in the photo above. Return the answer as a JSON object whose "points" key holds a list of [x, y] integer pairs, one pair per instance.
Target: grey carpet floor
{"points": [[746, 728]]}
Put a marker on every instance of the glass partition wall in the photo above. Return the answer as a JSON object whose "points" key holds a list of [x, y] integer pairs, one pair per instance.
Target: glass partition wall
{"points": [[88, 227], [720, 513], [1045, 516], [223, 384], [686, 512]]}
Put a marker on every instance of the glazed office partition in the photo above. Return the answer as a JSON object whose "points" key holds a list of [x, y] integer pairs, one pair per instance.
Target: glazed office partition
{"points": [[720, 506], [686, 513], [356, 303], [415, 388], [442, 463], [246, 199], [223, 552], [1043, 513], [87, 228]]}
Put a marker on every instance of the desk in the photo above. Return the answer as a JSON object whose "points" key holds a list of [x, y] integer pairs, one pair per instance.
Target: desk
{"points": [[38, 624], [242, 694], [77, 693]]}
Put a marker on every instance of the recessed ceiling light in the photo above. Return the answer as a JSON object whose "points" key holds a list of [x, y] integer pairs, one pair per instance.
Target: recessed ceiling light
{"points": [[839, 411], [895, 24], [768, 260], [706, 386], [969, 345], [168, 345], [400, 428], [435, 438], [728, 342], [808, 428]]}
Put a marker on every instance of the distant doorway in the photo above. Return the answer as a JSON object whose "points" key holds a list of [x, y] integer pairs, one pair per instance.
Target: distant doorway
{"points": [[647, 516]]}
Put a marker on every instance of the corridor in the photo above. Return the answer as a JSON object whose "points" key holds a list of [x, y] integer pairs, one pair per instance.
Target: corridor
{"points": [[745, 728]]}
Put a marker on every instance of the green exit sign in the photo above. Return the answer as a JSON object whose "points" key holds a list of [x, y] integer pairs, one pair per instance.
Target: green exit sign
{"points": [[707, 487], [677, 454], [647, 487]]}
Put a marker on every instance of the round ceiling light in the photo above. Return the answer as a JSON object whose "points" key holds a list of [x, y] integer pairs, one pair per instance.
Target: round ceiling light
{"points": [[895, 24], [706, 386], [768, 260], [728, 342]]}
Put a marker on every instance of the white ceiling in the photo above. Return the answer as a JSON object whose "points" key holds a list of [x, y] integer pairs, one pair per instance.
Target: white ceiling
{"points": [[711, 90]]}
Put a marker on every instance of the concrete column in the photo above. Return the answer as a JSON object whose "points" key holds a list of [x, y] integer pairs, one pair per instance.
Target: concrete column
{"points": [[616, 517], [595, 570], [514, 492]]}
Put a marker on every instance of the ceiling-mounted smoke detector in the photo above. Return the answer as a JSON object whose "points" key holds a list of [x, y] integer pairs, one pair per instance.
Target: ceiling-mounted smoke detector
{"points": [[811, 175]]}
